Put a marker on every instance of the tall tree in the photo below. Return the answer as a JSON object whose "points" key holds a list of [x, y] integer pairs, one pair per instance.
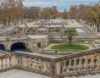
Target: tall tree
{"points": [[93, 16], [65, 14], [46, 13], [73, 11], [11, 10], [70, 32]]}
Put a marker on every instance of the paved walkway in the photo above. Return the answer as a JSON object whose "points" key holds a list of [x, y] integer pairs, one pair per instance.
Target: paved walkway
{"points": [[88, 76], [20, 74], [24, 74]]}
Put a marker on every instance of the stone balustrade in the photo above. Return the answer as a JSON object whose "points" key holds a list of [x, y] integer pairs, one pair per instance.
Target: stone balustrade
{"points": [[55, 66]]}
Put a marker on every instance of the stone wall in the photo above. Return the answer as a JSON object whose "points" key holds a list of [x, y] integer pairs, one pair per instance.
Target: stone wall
{"points": [[34, 64], [7, 62]]}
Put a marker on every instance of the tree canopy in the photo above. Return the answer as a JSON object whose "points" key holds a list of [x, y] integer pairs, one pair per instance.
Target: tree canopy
{"points": [[13, 11]]}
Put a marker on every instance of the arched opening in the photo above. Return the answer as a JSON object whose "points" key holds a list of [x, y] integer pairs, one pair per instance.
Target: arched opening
{"points": [[19, 46], [2, 47]]}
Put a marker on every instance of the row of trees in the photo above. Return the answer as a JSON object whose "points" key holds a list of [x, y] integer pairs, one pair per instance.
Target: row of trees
{"points": [[41, 13], [10, 11], [13, 11]]}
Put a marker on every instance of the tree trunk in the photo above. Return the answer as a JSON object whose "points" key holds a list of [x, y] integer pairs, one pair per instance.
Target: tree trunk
{"points": [[70, 40], [98, 28]]}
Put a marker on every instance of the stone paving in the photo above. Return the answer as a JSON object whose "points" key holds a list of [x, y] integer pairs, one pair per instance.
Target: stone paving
{"points": [[20, 74], [24, 74], [88, 76]]}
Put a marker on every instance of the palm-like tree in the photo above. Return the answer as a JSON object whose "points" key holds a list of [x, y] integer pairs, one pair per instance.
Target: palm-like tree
{"points": [[70, 32]]}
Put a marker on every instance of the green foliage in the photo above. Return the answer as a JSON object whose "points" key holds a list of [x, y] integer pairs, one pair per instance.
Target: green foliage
{"points": [[71, 31], [72, 48]]}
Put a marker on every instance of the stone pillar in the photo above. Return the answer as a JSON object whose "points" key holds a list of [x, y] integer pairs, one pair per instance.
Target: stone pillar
{"points": [[92, 64], [4, 63], [0, 63], [75, 66], [64, 62], [52, 68], [33, 64], [13, 61], [80, 66], [8, 45], [58, 68], [8, 62], [45, 66], [70, 62], [48, 68], [86, 65], [98, 62], [28, 62], [24, 62]]}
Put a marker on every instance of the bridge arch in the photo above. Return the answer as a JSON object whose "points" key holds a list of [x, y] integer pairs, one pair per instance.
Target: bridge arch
{"points": [[2, 47], [18, 46]]}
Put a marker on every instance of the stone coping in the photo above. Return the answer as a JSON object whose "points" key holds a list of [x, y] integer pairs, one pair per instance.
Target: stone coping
{"points": [[50, 57], [38, 36], [56, 57], [3, 54]]}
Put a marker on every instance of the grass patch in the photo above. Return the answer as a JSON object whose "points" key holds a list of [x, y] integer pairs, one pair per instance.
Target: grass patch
{"points": [[72, 48]]}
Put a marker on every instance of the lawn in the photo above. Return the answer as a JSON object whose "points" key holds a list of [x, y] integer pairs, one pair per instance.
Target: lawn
{"points": [[72, 48]]}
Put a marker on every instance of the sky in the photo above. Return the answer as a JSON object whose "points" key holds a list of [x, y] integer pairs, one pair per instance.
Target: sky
{"points": [[61, 4]]}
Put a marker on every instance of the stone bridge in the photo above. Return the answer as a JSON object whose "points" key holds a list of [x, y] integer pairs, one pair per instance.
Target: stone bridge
{"points": [[9, 43], [31, 43]]}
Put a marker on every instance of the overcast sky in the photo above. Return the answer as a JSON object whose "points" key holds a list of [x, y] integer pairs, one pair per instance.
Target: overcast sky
{"points": [[61, 4]]}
